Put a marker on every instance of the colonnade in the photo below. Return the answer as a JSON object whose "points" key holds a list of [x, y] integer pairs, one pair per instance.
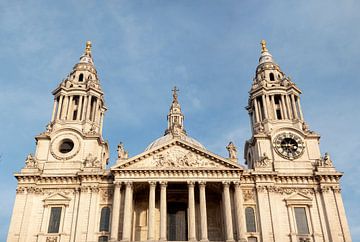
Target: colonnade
{"points": [[289, 106], [128, 211]]}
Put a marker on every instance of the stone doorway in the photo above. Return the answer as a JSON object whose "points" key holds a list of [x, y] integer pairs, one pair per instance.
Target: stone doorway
{"points": [[177, 221]]}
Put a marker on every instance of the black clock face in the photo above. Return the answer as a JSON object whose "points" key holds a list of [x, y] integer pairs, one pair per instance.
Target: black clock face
{"points": [[289, 145]]}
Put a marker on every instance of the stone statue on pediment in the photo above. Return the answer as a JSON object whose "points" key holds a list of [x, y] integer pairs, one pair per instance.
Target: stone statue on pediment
{"points": [[122, 153], [232, 151]]}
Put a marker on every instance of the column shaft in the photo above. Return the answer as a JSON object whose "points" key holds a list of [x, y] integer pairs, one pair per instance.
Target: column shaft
{"points": [[163, 212], [300, 110], [59, 109], [128, 212], [78, 114], [54, 110], [294, 108], [70, 108], [151, 214], [265, 106], [284, 107], [257, 115], [88, 109], [116, 211], [227, 208], [203, 214], [239, 212], [192, 228], [274, 106]]}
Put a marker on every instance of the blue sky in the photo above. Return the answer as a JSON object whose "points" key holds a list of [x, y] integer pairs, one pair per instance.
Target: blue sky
{"points": [[209, 49]]}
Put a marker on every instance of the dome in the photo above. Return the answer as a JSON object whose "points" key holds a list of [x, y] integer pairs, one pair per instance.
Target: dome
{"points": [[162, 140]]}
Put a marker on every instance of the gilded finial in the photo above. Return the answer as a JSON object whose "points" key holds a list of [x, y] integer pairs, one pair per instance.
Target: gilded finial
{"points": [[175, 90], [263, 46], [88, 47]]}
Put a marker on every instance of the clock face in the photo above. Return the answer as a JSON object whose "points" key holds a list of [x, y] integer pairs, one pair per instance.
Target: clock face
{"points": [[289, 145]]}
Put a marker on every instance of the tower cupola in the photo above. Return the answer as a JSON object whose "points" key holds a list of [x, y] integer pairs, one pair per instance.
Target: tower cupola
{"points": [[175, 117], [274, 98], [79, 100]]}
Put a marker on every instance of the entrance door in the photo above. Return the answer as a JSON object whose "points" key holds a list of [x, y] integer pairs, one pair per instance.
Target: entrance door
{"points": [[177, 222]]}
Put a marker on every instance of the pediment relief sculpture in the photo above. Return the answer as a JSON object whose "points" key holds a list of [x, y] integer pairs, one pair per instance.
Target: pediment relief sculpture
{"points": [[177, 157]]}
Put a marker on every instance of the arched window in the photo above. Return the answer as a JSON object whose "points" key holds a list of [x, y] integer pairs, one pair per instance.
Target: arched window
{"points": [[104, 219], [271, 76], [81, 77], [250, 219], [103, 239]]}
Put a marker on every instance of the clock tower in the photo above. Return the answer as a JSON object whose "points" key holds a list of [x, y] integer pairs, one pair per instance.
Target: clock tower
{"points": [[281, 140]]}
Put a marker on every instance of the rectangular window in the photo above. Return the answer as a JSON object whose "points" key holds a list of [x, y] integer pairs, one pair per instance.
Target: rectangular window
{"points": [[301, 220], [54, 222], [250, 219]]}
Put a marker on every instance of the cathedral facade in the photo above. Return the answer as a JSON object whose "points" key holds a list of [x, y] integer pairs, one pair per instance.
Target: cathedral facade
{"points": [[177, 190]]}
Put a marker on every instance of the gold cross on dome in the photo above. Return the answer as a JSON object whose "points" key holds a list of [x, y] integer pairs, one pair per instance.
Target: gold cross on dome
{"points": [[174, 90], [263, 46]]}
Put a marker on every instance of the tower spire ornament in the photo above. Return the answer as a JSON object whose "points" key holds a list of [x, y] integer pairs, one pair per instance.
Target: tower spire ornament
{"points": [[263, 46], [175, 116], [88, 48], [175, 96]]}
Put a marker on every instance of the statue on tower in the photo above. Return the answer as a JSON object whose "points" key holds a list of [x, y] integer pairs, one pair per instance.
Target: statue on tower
{"points": [[122, 153], [232, 151]]}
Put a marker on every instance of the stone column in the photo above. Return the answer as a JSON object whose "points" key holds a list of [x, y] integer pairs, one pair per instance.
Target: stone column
{"points": [[54, 110], [294, 106], [257, 115], [163, 211], [203, 215], [128, 213], [265, 106], [59, 108], [64, 107], [300, 110], [151, 214], [70, 108], [239, 212], [283, 105], [88, 107], [192, 225], [78, 114], [227, 209], [274, 106], [97, 110], [115, 215], [289, 108], [85, 100]]}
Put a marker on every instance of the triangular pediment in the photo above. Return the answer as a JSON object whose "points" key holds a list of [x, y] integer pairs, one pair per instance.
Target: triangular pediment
{"points": [[177, 154], [57, 198], [298, 198]]}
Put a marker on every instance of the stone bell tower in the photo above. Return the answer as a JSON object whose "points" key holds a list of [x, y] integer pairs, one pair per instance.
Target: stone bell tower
{"points": [[73, 139], [281, 139]]}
